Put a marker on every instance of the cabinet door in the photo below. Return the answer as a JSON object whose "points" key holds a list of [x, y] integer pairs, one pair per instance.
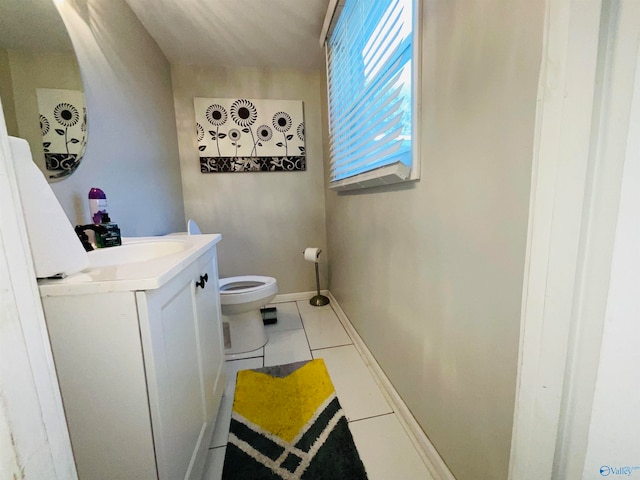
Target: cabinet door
{"points": [[210, 343], [170, 330], [95, 340]]}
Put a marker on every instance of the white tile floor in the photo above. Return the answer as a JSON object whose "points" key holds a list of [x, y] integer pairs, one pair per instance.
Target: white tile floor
{"points": [[304, 332]]}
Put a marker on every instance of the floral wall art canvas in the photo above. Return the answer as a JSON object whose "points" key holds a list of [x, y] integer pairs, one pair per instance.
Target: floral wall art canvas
{"points": [[248, 135], [63, 124]]}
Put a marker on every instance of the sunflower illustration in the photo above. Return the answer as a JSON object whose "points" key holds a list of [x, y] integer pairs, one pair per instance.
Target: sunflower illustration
{"points": [[234, 134], [243, 112], [282, 122], [44, 125], [264, 133], [199, 132], [216, 114], [300, 131], [66, 114]]}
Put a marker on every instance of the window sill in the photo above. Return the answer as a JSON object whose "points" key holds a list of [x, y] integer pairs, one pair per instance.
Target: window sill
{"points": [[396, 173]]}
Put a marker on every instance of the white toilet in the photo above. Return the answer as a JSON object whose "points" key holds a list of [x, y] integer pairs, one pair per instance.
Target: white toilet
{"points": [[240, 302]]}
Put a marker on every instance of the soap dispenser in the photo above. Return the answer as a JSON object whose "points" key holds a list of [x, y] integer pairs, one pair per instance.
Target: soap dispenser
{"points": [[109, 233], [97, 205]]}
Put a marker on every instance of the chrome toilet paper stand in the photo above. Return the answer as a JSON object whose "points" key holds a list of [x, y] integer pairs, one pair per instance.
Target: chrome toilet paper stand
{"points": [[318, 300]]}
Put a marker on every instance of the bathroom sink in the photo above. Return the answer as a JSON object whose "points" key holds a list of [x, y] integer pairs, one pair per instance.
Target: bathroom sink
{"points": [[133, 251], [140, 263]]}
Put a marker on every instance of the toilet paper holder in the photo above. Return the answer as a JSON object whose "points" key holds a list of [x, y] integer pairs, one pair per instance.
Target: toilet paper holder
{"points": [[317, 300]]}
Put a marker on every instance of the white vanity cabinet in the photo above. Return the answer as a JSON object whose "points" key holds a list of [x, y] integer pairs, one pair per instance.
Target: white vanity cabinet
{"points": [[140, 370]]}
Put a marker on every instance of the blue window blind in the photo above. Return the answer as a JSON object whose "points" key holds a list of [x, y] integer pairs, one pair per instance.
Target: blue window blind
{"points": [[369, 72]]}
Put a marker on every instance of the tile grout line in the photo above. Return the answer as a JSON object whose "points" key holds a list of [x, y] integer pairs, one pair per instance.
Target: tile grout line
{"points": [[304, 329], [372, 416], [332, 346], [243, 358]]}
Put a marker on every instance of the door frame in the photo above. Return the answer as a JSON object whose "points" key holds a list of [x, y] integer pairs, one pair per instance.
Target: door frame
{"points": [[34, 440], [585, 86]]}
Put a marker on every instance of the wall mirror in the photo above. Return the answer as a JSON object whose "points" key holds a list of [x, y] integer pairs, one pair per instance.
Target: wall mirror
{"points": [[41, 87]]}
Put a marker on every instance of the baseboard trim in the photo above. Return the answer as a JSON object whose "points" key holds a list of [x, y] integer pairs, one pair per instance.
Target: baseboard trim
{"points": [[421, 442], [294, 297]]}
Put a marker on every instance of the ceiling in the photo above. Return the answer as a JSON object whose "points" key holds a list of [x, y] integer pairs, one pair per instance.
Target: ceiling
{"points": [[234, 33]]}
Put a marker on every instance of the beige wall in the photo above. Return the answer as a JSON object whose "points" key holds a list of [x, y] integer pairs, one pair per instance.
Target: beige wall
{"points": [[266, 218], [6, 93], [431, 273], [132, 149]]}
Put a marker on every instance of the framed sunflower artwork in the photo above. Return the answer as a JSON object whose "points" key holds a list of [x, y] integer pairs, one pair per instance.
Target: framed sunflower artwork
{"points": [[248, 135], [63, 124]]}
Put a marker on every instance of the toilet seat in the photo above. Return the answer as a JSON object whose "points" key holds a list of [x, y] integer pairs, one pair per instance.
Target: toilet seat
{"points": [[246, 288], [240, 301]]}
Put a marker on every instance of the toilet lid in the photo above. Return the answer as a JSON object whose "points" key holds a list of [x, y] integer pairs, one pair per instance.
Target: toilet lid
{"points": [[244, 284]]}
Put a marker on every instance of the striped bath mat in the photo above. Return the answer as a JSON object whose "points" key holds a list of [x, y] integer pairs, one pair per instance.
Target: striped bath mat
{"points": [[287, 423]]}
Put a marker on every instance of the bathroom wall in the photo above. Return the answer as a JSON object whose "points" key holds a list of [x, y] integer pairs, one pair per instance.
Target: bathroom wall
{"points": [[6, 93], [266, 218], [430, 273], [132, 149]]}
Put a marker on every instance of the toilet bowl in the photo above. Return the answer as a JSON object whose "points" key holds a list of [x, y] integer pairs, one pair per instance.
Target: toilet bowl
{"points": [[240, 302]]}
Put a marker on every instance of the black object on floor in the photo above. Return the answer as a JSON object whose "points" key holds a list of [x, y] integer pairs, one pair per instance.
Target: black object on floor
{"points": [[269, 315]]}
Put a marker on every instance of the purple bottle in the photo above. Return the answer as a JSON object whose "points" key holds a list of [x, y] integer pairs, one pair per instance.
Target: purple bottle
{"points": [[97, 205]]}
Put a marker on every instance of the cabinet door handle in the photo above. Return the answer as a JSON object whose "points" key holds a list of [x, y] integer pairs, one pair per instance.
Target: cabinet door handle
{"points": [[203, 280]]}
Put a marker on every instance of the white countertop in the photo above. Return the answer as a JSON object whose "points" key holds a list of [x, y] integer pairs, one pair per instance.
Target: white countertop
{"points": [[136, 275]]}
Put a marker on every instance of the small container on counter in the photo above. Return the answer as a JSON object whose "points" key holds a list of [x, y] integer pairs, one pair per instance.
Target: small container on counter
{"points": [[109, 233]]}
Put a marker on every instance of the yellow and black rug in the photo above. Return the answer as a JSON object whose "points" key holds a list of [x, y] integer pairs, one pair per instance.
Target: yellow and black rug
{"points": [[287, 423]]}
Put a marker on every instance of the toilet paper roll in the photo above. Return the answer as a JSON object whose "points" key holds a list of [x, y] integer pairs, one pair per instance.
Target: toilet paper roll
{"points": [[311, 254]]}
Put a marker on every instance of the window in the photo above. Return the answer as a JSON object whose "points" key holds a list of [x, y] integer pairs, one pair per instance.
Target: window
{"points": [[371, 88]]}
